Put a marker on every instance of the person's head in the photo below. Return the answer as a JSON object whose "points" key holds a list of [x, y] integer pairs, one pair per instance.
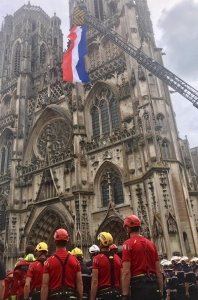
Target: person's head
{"points": [[166, 264], [132, 224], [61, 237], [175, 260], [105, 239], [184, 260], [77, 252], [94, 250], [29, 249], [41, 250]]}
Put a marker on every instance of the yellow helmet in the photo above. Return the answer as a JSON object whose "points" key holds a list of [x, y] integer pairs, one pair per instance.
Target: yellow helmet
{"points": [[77, 252], [105, 238], [42, 246]]}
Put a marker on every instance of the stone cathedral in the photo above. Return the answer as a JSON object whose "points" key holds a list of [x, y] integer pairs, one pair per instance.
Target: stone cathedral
{"points": [[83, 156]]}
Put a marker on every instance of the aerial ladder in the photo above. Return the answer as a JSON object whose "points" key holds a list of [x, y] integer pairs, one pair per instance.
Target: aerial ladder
{"points": [[82, 16]]}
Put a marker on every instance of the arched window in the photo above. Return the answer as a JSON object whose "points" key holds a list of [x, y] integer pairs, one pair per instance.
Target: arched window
{"points": [[104, 113], [105, 116], [165, 149], [99, 12], [17, 59], [160, 122], [186, 242], [114, 114], [9, 155], [111, 188], [3, 160], [2, 216], [95, 121], [43, 54], [105, 193]]}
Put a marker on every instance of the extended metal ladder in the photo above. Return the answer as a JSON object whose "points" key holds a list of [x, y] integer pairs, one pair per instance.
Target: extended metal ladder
{"points": [[144, 60]]}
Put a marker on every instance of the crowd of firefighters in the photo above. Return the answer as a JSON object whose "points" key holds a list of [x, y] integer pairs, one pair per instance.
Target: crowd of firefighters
{"points": [[134, 273]]}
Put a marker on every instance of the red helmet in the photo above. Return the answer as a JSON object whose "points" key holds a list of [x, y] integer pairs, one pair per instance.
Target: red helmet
{"points": [[113, 247], [132, 221], [61, 235]]}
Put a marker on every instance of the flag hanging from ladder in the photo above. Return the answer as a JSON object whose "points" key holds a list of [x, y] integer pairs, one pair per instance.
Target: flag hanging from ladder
{"points": [[73, 66]]}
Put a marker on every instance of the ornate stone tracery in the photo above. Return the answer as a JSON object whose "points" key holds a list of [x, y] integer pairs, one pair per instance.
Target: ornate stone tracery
{"points": [[54, 138]]}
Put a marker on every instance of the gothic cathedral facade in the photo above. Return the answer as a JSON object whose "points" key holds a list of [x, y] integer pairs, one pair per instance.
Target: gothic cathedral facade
{"points": [[84, 156]]}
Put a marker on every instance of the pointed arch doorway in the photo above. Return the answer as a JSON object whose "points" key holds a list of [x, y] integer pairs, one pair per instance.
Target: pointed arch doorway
{"points": [[44, 227], [114, 225]]}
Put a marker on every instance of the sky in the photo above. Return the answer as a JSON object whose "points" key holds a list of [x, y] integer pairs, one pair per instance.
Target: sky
{"points": [[175, 25]]}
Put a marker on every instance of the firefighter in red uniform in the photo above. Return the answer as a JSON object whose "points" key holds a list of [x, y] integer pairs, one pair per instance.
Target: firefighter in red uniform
{"points": [[62, 277], [106, 271], [85, 271], [141, 268], [20, 272], [35, 273]]}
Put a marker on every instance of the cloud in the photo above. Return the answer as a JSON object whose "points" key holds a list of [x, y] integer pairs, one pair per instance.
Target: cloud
{"points": [[180, 38]]}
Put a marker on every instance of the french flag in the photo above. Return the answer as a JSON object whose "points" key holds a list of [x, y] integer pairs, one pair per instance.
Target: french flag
{"points": [[73, 66]]}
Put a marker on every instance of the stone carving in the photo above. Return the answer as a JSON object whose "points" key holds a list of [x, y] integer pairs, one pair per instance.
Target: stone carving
{"points": [[117, 136], [107, 70], [142, 211], [171, 224], [54, 139]]}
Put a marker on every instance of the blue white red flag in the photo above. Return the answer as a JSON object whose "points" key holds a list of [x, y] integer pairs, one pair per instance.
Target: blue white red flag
{"points": [[73, 66]]}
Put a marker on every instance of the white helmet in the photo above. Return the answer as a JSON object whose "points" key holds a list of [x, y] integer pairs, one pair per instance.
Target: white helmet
{"points": [[175, 258], [184, 258], [163, 261], [94, 249], [167, 263]]}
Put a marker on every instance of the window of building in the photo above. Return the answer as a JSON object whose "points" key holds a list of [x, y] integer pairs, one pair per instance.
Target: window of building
{"points": [[43, 54], [165, 149], [3, 160], [111, 188], [160, 121], [2, 216], [104, 114], [17, 59], [95, 121]]}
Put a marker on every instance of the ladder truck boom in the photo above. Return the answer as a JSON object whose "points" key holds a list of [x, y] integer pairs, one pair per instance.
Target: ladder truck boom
{"points": [[144, 60]]}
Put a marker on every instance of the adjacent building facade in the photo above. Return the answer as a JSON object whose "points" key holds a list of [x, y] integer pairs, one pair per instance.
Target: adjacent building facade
{"points": [[84, 156]]}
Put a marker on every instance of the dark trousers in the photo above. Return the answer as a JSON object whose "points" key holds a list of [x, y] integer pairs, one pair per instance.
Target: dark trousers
{"points": [[109, 294], [145, 290], [173, 296], [193, 292], [36, 296], [181, 293]]}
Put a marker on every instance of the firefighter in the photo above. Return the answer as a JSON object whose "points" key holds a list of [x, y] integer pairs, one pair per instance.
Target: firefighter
{"points": [[106, 271], [190, 285], [8, 285], [62, 277], [93, 251], [141, 265], [20, 271], [175, 260], [35, 273], [171, 281], [86, 272]]}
